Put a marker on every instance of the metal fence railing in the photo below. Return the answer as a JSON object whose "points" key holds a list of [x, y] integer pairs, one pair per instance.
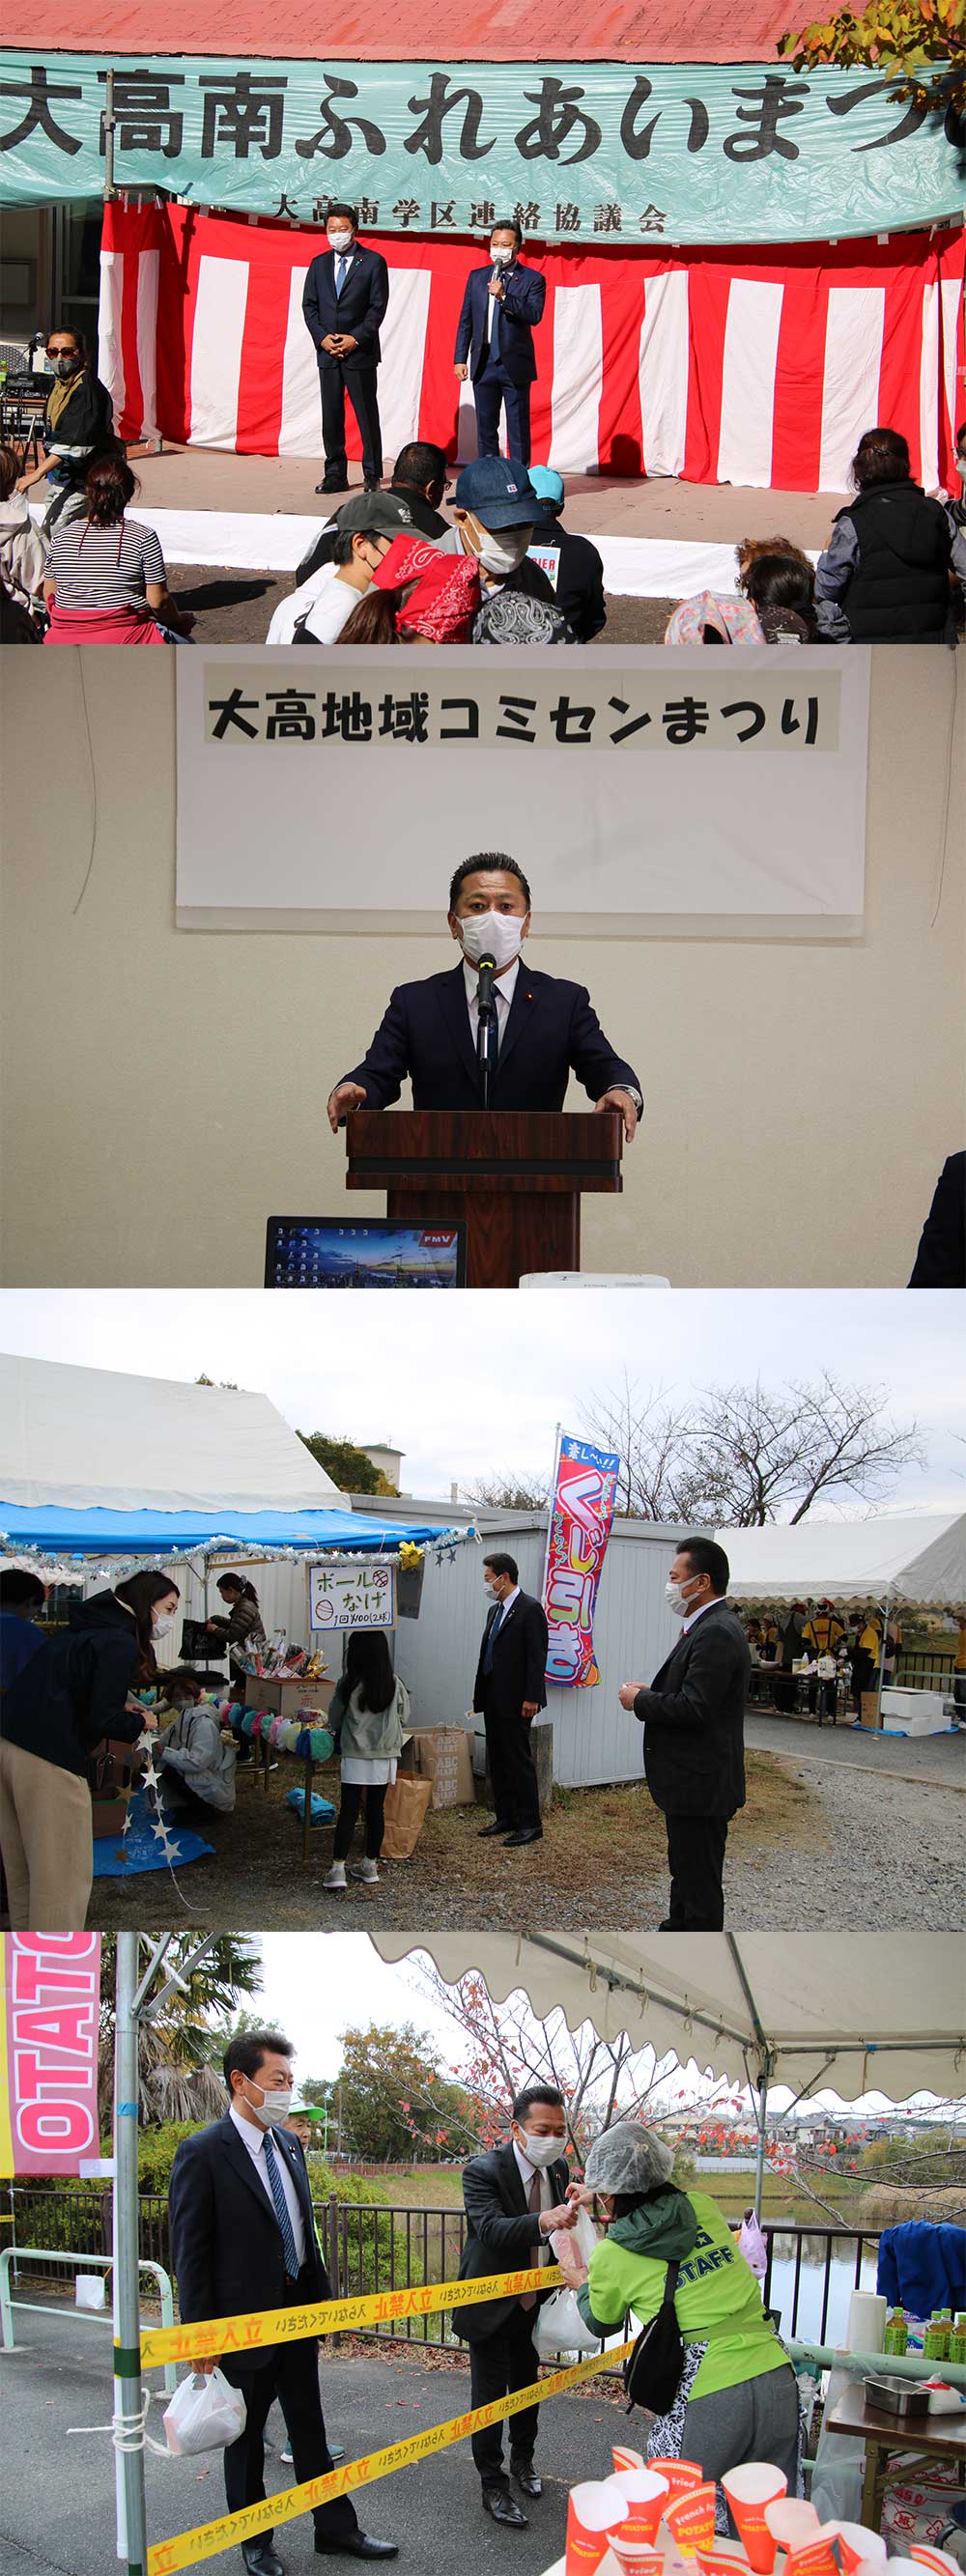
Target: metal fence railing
{"points": [[811, 2269]]}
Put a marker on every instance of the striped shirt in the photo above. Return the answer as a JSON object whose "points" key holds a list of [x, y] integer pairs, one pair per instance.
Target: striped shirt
{"points": [[104, 567]]}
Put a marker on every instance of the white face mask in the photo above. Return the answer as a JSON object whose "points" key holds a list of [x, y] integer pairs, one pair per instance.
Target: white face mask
{"points": [[675, 1595], [541, 2151], [501, 258], [340, 243], [500, 550], [273, 2106], [161, 1626], [492, 934]]}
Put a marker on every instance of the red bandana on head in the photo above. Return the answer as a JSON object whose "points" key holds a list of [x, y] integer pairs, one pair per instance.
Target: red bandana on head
{"points": [[446, 594]]}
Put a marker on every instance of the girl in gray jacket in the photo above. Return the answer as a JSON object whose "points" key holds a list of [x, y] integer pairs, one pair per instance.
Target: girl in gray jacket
{"points": [[375, 1713]]}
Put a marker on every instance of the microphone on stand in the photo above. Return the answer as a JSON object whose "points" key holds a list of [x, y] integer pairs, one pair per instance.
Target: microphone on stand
{"points": [[486, 1025]]}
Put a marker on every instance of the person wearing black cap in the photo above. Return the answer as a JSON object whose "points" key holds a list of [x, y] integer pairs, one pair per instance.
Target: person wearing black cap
{"points": [[318, 609], [494, 341]]}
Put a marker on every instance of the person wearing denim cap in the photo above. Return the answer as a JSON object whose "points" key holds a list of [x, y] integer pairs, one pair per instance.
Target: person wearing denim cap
{"points": [[577, 575], [496, 510]]}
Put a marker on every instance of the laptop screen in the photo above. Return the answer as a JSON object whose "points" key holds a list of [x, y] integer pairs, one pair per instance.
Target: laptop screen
{"points": [[329, 1252]]}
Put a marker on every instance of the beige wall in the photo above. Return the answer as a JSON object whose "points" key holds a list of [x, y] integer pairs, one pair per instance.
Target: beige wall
{"points": [[163, 1092]]}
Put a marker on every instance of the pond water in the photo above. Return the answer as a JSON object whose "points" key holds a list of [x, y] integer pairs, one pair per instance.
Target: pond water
{"points": [[811, 2287]]}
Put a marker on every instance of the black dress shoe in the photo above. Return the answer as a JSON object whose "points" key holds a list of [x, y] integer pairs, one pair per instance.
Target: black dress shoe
{"points": [[261, 2559], [358, 2545], [504, 2508], [487, 1832], [332, 487], [526, 2477], [530, 1834]]}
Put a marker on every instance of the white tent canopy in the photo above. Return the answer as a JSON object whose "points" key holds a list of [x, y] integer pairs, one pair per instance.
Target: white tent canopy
{"points": [[910, 1556], [82, 1438], [859, 2016]]}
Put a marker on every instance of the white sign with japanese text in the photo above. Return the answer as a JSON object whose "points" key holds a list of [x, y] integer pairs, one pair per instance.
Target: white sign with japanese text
{"points": [[352, 1596], [644, 789]]}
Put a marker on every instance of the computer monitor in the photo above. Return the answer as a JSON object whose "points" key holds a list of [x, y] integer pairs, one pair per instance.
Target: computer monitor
{"points": [[373, 1252]]}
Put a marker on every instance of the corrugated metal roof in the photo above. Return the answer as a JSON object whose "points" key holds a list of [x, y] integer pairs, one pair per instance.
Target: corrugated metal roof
{"points": [[545, 31]]}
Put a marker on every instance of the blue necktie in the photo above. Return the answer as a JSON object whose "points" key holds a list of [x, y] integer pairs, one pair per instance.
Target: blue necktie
{"points": [[491, 1641], [281, 2208], [340, 269]]}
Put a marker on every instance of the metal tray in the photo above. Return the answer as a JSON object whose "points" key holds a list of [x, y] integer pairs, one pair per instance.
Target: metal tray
{"points": [[899, 2397]]}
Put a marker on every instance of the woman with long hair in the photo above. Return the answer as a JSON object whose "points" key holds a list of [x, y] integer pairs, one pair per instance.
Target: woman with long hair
{"points": [[106, 582], [240, 1626], [75, 1691], [417, 596], [375, 1711], [24, 552]]}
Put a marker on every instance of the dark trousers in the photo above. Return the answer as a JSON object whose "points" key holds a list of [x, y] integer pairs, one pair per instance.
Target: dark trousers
{"points": [[502, 2363], [360, 384], [492, 391], [293, 2377], [695, 1851], [513, 1773], [349, 1804]]}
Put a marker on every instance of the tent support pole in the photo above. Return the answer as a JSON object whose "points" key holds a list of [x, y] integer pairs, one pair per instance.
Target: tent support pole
{"points": [[766, 2064], [132, 2541]]}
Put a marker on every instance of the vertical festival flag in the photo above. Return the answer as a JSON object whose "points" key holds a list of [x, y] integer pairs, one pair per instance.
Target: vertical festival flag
{"points": [[49, 2018], [581, 1513]]}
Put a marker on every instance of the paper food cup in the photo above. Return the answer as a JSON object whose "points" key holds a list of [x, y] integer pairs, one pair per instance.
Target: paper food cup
{"points": [[690, 2519], [637, 2557], [595, 2511], [647, 2496], [625, 2459], [814, 2560], [938, 2560], [720, 2562], [748, 2489], [792, 2521], [680, 2474], [855, 2543]]}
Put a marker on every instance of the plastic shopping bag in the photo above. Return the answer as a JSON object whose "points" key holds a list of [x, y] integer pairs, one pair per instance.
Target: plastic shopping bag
{"points": [[839, 2462], [751, 2244], [559, 2327], [205, 2414]]}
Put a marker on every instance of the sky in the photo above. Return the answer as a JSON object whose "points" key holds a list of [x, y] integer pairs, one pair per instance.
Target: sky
{"points": [[315, 1994], [473, 1386]]}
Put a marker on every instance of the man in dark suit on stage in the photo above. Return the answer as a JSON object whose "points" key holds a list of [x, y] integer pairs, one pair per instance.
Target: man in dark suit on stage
{"points": [[545, 1027], [510, 1687], [693, 1717], [243, 2239], [345, 298], [514, 2199], [494, 341], [941, 1258]]}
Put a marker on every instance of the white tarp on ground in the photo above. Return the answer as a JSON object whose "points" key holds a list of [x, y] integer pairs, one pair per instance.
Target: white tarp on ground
{"points": [[915, 1557], [82, 1437], [857, 2016]]}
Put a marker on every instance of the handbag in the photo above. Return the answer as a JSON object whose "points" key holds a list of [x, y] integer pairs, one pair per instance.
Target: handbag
{"points": [[652, 2372]]}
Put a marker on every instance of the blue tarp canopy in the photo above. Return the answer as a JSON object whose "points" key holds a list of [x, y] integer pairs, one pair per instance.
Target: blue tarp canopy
{"points": [[152, 1533]]}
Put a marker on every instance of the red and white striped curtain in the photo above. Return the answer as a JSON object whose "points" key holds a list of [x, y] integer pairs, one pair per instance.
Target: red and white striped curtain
{"points": [[717, 366]]}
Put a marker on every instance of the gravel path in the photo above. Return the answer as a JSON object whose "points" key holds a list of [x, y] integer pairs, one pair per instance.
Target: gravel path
{"points": [[822, 1844]]}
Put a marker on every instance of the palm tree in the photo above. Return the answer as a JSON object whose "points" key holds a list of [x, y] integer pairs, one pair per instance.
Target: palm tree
{"points": [[179, 2054]]}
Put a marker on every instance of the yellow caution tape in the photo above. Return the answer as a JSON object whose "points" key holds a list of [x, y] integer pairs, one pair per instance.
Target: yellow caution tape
{"points": [[220, 2335], [190, 2547]]}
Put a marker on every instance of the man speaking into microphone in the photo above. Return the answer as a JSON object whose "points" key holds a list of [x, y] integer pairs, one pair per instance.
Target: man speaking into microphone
{"points": [[491, 1032]]}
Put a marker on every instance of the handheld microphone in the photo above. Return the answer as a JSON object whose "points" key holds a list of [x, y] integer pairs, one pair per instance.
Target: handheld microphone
{"points": [[497, 277]]}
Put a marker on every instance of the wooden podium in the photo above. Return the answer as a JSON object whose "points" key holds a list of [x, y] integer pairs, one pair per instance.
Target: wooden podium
{"points": [[514, 1176]]}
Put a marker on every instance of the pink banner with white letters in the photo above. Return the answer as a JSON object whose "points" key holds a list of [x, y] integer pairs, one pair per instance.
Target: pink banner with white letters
{"points": [[49, 2016], [581, 1514]]}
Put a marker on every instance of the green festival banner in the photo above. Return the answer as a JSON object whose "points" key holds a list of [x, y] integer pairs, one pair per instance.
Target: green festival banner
{"points": [[598, 152]]}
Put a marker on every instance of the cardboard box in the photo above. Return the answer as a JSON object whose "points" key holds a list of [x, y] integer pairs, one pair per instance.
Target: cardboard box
{"points": [[870, 1714], [285, 1698], [444, 1755]]}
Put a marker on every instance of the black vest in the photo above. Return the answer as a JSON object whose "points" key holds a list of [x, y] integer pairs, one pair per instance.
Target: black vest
{"points": [[899, 592]]}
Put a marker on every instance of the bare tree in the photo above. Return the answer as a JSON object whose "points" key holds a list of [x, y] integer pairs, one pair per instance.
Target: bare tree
{"points": [[508, 1493], [735, 1457], [600, 2079]]}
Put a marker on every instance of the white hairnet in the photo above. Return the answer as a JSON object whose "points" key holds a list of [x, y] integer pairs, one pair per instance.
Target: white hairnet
{"points": [[628, 2158]]}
